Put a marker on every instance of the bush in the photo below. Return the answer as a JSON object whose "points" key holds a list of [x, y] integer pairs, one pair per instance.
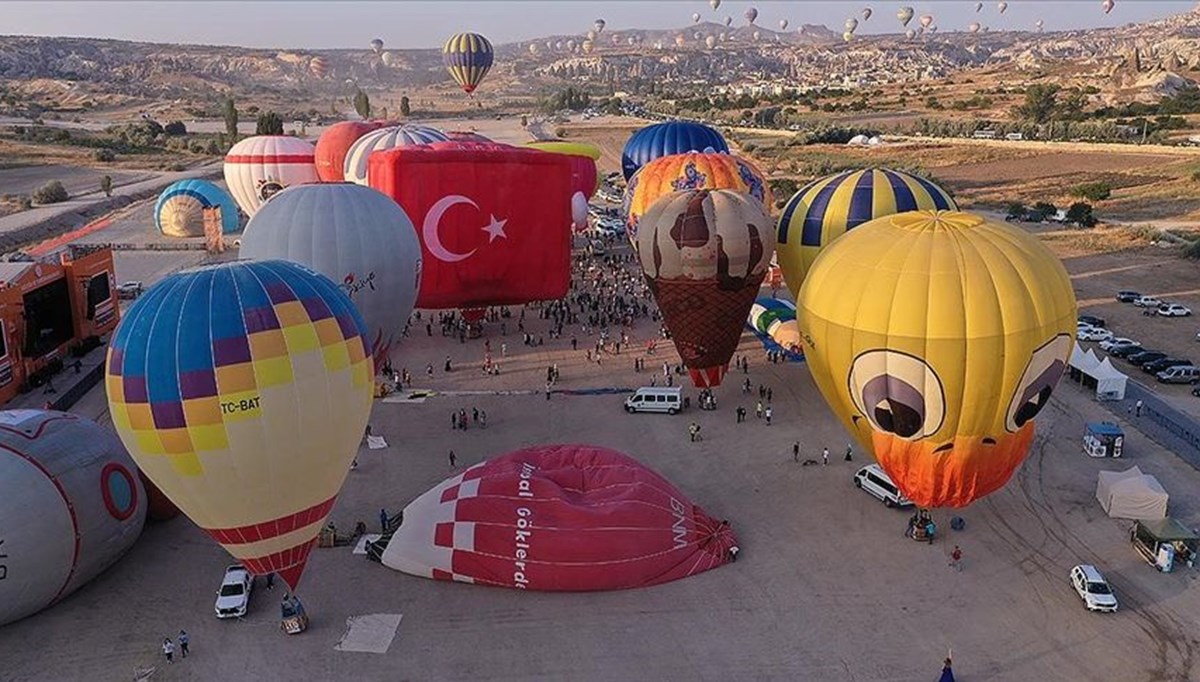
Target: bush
{"points": [[175, 128], [1044, 209], [1080, 214], [24, 203], [104, 155], [52, 192], [1017, 211], [560, 132], [1193, 250], [1196, 175], [1095, 191]]}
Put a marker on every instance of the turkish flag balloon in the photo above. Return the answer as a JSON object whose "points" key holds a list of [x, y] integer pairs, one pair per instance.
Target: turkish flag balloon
{"points": [[559, 518], [494, 221]]}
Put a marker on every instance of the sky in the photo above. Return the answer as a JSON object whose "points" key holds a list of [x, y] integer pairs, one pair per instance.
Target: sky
{"points": [[316, 24]]}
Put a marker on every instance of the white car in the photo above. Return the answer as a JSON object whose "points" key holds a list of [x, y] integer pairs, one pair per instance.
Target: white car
{"points": [[1093, 589], [1147, 302], [1118, 342], [1174, 310], [1092, 334], [875, 481], [129, 290], [234, 596]]}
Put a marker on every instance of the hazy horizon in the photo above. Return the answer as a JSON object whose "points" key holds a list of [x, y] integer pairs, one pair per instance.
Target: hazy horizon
{"points": [[322, 24]]}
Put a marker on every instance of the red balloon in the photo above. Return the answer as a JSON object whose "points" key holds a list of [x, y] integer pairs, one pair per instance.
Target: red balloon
{"points": [[466, 136], [332, 145], [494, 220], [560, 518]]}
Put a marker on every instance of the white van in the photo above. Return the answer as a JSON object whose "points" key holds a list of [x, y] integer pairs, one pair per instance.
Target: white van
{"points": [[872, 479], [655, 399]]}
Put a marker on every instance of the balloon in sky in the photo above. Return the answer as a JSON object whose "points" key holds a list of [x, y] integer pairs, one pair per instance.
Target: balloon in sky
{"points": [[905, 15], [704, 254], [910, 34], [588, 46], [866, 13], [937, 337], [714, 4], [926, 20], [616, 39], [181, 207], [710, 42], [974, 27], [584, 177], [932, 29], [599, 25], [355, 236], [568, 518], [728, 21], [333, 144], [1108, 5], [533, 49], [468, 57], [377, 45], [756, 35], [670, 137], [570, 44], [851, 24], [751, 14], [242, 390], [591, 35], [484, 241], [71, 502], [387, 58], [697, 35], [258, 167], [825, 209], [783, 24], [695, 17], [559, 45], [691, 170], [1002, 6], [847, 36], [979, 7], [355, 167], [1039, 24], [318, 67]]}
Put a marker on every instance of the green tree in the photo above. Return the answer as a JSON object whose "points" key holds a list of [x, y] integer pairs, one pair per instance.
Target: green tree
{"points": [[269, 123], [362, 104], [1080, 213], [106, 185], [52, 192], [231, 120], [175, 128], [1095, 191], [405, 107], [1017, 211], [1044, 209], [1041, 103]]}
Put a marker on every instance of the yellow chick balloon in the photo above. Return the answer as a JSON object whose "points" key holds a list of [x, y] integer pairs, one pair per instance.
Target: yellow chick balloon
{"points": [[937, 337]]}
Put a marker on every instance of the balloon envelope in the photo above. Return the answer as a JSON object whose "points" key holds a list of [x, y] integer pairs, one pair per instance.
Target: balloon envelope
{"points": [[355, 167], [579, 212], [584, 176], [936, 338], [259, 167], [558, 518], [704, 254], [333, 144], [468, 57], [671, 137], [355, 236], [242, 390], [179, 211]]}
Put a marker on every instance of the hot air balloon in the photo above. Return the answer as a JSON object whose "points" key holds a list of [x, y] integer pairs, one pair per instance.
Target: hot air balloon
{"points": [[697, 35], [866, 13], [599, 520], [1108, 5], [377, 45], [680, 41], [468, 57], [931, 30], [356, 237], [910, 34], [783, 24], [632, 40], [905, 15], [704, 254], [355, 168], [979, 7], [1002, 6], [937, 337], [663, 139], [728, 21], [258, 167], [388, 58], [333, 144], [318, 67], [710, 42], [181, 207], [1039, 24], [242, 390], [847, 36], [974, 27], [774, 321], [851, 24], [826, 209], [599, 25], [588, 46], [591, 35], [688, 171], [579, 212], [71, 502], [751, 14], [571, 45], [756, 35], [926, 20], [616, 39], [714, 4], [695, 17]]}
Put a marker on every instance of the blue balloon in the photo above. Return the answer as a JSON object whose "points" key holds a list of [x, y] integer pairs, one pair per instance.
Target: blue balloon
{"points": [[179, 211], [664, 139]]}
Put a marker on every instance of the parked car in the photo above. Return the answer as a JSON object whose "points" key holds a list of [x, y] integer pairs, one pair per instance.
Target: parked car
{"points": [[233, 599], [1093, 334], [1159, 365], [1174, 310], [1180, 374], [1147, 302], [129, 290], [1125, 351], [1119, 342], [1127, 296], [1139, 359], [875, 481], [1093, 320], [1093, 589]]}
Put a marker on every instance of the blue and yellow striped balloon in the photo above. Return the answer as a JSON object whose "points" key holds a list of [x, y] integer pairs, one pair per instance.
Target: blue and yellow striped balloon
{"points": [[827, 208], [468, 57]]}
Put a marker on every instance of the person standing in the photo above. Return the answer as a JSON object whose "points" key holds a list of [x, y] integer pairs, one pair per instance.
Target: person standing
{"points": [[767, 413], [169, 650], [453, 460], [956, 559], [383, 521], [758, 410], [849, 452], [825, 457], [947, 671], [1137, 408], [183, 643], [270, 581], [796, 451], [693, 429], [770, 393]]}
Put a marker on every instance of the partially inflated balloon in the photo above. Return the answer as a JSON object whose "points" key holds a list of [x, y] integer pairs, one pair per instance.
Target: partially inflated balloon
{"points": [[242, 390], [259, 167], [851, 24], [356, 237], [710, 42], [333, 144], [181, 208], [584, 176], [663, 139], [936, 338], [704, 254], [468, 57], [599, 25], [579, 212], [354, 169], [973, 27], [847, 36]]}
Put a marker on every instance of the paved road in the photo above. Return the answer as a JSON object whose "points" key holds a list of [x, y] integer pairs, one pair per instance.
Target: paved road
{"points": [[1161, 422], [76, 179]]}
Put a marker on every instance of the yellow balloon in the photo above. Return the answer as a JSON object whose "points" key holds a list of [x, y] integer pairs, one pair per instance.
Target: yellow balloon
{"points": [[936, 337], [563, 147]]}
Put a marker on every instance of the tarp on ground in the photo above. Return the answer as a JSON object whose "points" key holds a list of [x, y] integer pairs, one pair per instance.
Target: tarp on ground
{"points": [[1131, 494]]}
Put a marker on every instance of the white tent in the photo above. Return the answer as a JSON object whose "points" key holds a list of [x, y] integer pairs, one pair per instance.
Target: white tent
{"points": [[1131, 495], [1110, 381], [1084, 362]]}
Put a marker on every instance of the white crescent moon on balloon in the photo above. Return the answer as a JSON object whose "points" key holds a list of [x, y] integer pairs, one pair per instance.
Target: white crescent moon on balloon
{"points": [[433, 219]]}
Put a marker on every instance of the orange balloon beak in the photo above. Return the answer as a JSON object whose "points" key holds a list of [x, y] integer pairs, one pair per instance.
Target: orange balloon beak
{"points": [[951, 473]]}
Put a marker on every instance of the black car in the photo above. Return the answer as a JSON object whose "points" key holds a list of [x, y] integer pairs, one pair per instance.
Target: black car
{"points": [[1159, 365], [1125, 351], [1093, 320], [1128, 296], [1145, 356]]}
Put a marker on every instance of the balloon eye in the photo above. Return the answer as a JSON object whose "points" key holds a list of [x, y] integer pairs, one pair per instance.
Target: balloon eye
{"points": [[1041, 375], [898, 393]]}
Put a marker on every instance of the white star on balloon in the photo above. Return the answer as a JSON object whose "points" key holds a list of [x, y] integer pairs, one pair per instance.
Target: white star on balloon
{"points": [[495, 229]]}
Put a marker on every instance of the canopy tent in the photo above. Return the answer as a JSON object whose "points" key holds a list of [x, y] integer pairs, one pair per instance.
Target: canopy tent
{"points": [[1131, 494], [1093, 373]]}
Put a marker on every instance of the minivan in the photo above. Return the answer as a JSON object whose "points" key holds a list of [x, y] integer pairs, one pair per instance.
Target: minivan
{"points": [[872, 479], [667, 399], [1180, 374]]}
